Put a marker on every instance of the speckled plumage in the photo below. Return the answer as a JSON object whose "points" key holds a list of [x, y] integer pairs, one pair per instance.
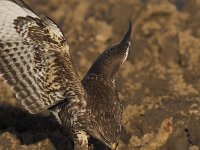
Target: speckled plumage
{"points": [[35, 61]]}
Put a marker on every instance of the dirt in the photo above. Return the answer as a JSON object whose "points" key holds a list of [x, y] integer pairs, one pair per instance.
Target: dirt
{"points": [[159, 85]]}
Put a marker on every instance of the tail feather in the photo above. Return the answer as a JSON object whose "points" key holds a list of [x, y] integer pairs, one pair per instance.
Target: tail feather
{"points": [[109, 62]]}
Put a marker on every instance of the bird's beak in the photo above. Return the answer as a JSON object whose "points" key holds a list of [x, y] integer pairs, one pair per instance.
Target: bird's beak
{"points": [[114, 146]]}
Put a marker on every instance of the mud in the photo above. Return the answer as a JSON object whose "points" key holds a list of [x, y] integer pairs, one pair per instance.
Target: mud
{"points": [[159, 85]]}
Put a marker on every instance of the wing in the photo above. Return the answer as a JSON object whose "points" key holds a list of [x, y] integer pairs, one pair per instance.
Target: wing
{"points": [[35, 59], [108, 63]]}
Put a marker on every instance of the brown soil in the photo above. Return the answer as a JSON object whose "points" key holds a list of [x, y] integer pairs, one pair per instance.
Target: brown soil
{"points": [[159, 85]]}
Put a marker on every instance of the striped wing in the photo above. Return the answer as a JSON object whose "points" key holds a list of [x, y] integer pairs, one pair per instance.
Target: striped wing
{"points": [[34, 58]]}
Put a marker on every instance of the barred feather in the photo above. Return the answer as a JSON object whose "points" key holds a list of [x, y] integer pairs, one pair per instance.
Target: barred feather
{"points": [[34, 58]]}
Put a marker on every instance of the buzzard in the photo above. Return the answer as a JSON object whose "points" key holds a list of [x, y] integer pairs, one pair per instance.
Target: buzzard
{"points": [[35, 61]]}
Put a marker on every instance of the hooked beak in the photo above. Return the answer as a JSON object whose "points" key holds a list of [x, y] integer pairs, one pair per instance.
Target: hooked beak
{"points": [[114, 146]]}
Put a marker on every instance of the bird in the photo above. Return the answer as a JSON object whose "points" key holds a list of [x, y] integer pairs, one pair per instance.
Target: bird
{"points": [[35, 61]]}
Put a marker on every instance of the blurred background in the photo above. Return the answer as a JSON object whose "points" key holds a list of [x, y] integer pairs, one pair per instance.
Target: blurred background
{"points": [[160, 80]]}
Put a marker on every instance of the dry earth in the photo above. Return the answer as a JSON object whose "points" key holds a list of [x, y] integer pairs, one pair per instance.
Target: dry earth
{"points": [[159, 85]]}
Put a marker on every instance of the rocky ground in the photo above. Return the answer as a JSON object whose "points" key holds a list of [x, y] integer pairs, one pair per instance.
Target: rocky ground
{"points": [[159, 85]]}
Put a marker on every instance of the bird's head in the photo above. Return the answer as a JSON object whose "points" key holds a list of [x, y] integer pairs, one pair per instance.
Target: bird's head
{"points": [[108, 142], [109, 136]]}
